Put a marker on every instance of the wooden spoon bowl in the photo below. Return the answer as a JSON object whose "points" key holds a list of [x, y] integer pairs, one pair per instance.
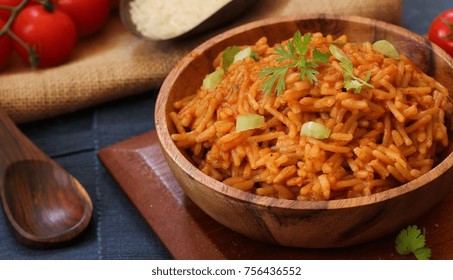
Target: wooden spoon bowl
{"points": [[323, 224], [45, 205]]}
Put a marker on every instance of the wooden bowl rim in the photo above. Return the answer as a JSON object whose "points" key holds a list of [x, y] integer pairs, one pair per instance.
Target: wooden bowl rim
{"points": [[238, 195]]}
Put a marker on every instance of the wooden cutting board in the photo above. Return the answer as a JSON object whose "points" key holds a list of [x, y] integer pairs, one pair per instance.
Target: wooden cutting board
{"points": [[140, 169]]}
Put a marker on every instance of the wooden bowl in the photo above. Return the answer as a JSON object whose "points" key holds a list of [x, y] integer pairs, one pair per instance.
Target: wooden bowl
{"points": [[324, 224]]}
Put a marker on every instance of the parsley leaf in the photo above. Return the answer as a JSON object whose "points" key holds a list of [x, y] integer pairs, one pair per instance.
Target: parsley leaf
{"points": [[277, 75], [351, 82], [412, 240], [296, 52], [423, 253]]}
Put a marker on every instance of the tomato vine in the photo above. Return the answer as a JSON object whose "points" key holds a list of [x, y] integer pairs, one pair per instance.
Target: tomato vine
{"points": [[33, 57], [44, 32]]}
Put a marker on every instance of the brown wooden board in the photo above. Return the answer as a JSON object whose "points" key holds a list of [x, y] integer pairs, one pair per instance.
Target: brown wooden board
{"points": [[139, 167]]}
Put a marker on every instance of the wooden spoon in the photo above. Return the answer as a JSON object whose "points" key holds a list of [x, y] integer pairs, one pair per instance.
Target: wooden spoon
{"points": [[221, 16], [44, 204]]}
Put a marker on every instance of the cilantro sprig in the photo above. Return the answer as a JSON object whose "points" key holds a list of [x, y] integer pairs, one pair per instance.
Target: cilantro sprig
{"points": [[296, 52], [412, 240], [351, 82]]}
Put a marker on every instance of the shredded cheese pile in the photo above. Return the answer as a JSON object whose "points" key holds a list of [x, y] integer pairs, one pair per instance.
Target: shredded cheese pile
{"points": [[162, 20]]}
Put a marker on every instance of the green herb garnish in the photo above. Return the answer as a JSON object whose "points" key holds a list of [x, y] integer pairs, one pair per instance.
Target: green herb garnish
{"points": [[412, 240], [349, 79], [296, 52]]}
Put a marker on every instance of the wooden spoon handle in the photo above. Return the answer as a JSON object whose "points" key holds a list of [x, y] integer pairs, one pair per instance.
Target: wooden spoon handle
{"points": [[14, 145]]}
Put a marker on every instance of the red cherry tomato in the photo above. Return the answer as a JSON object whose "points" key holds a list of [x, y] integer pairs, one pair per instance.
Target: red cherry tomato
{"points": [[441, 31], [6, 47], [88, 15], [52, 34]]}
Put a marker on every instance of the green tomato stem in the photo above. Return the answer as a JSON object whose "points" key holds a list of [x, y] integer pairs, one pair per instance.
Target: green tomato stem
{"points": [[33, 58], [4, 7], [450, 25], [14, 11], [48, 5]]}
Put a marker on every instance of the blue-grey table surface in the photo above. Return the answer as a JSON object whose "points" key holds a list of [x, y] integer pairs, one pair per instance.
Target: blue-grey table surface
{"points": [[118, 231]]}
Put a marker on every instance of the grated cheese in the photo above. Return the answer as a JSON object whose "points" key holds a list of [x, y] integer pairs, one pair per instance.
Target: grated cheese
{"points": [[162, 20]]}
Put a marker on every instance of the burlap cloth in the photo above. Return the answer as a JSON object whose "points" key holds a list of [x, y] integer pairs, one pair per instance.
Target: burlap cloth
{"points": [[114, 64]]}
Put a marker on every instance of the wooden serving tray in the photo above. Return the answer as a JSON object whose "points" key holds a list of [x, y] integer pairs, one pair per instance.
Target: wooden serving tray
{"points": [[140, 169]]}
